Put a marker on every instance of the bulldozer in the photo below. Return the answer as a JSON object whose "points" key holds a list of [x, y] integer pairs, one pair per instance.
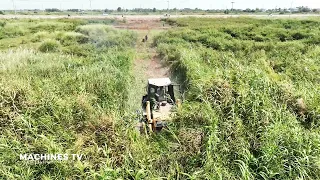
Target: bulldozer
{"points": [[158, 104]]}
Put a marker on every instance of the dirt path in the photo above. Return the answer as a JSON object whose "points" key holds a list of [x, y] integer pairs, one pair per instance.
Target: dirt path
{"points": [[146, 64]]}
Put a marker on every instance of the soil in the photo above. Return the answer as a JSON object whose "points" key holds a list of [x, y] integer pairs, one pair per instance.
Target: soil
{"points": [[141, 24], [152, 68], [147, 64]]}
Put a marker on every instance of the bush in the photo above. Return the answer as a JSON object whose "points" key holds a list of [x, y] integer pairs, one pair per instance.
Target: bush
{"points": [[106, 36], [51, 26], [299, 35], [49, 46], [78, 50], [14, 29], [39, 36], [72, 38], [2, 23]]}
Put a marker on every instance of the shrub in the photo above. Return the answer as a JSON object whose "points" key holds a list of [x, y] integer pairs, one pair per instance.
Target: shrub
{"points": [[105, 36], [2, 23], [78, 50], [14, 29], [299, 35], [51, 26], [72, 38], [94, 30], [49, 46], [39, 36], [101, 21]]}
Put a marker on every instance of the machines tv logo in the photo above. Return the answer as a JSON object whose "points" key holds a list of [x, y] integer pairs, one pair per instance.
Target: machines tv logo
{"points": [[51, 157]]}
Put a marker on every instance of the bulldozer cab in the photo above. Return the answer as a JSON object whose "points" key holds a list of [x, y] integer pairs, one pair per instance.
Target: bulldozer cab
{"points": [[158, 102], [159, 91]]}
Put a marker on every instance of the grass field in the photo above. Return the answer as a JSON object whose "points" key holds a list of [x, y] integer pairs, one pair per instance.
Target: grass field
{"points": [[253, 92], [251, 108], [63, 89]]}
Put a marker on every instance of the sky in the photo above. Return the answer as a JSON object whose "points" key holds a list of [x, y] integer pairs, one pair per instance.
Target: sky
{"points": [[159, 4]]}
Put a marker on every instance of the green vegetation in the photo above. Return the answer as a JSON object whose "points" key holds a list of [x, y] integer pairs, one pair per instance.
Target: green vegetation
{"points": [[55, 98], [252, 93], [49, 46], [251, 109]]}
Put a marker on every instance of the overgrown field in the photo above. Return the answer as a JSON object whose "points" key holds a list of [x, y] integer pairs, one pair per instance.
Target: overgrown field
{"points": [[252, 106], [63, 90]]}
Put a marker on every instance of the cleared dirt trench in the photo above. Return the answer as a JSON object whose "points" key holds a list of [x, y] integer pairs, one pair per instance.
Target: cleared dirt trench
{"points": [[147, 64]]}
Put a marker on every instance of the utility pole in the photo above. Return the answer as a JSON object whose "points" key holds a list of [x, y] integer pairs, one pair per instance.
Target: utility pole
{"points": [[291, 9], [232, 5], [91, 7], [14, 7], [168, 6]]}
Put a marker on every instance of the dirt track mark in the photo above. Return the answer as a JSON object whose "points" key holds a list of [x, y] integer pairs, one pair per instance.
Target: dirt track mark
{"points": [[147, 64], [153, 68]]}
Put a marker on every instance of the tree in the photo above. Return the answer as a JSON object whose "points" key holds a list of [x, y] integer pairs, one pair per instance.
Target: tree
{"points": [[304, 9], [74, 10], [119, 9], [108, 10], [154, 10], [52, 10]]}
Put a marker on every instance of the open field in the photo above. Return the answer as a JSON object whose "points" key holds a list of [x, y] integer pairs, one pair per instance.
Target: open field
{"points": [[251, 88]]}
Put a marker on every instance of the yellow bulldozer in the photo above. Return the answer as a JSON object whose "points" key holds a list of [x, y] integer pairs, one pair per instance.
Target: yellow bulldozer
{"points": [[158, 104]]}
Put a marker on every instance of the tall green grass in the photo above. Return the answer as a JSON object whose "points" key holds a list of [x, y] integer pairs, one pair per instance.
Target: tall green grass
{"points": [[57, 99], [251, 109], [258, 83]]}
